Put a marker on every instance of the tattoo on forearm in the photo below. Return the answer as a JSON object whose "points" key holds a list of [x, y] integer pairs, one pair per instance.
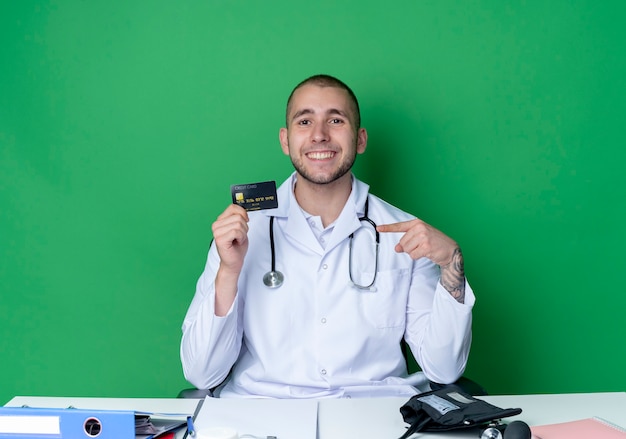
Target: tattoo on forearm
{"points": [[453, 276]]}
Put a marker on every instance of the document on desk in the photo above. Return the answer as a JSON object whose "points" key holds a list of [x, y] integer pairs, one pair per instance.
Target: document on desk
{"points": [[589, 428], [282, 418]]}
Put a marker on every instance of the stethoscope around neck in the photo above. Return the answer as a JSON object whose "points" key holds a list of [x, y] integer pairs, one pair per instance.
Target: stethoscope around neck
{"points": [[274, 278]]}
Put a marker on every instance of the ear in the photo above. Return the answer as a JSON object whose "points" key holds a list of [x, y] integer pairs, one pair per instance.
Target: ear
{"points": [[284, 140], [361, 140]]}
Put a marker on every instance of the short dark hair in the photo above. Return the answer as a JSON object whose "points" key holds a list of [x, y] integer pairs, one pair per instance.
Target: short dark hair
{"points": [[323, 80]]}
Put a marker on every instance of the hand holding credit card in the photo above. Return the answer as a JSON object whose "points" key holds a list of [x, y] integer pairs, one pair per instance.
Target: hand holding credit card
{"points": [[255, 196]]}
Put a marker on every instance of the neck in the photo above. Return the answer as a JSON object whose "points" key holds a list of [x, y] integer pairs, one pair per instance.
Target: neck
{"points": [[323, 200]]}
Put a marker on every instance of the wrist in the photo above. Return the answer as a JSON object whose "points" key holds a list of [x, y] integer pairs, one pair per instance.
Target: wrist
{"points": [[453, 276], [455, 261], [225, 289]]}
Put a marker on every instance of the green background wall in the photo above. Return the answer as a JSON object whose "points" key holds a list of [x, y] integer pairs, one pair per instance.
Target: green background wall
{"points": [[123, 124]]}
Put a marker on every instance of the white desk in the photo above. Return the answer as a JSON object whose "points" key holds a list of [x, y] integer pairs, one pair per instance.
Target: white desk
{"points": [[379, 418]]}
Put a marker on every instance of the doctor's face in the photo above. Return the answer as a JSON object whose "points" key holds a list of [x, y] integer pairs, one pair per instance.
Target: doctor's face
{"points": [[321, 137]]}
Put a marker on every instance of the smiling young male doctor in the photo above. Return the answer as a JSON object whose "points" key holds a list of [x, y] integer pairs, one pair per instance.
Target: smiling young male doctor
{"points": [[318, 334]]}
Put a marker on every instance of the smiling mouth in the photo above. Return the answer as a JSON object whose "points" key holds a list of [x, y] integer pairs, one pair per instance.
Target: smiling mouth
{"points": [[321, 155]]}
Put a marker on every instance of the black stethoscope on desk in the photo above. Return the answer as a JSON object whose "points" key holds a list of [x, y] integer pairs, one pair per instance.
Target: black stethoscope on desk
{"points": [[274, 278]]}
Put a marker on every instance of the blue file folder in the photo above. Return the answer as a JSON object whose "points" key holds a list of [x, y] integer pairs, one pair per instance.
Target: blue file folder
{"points": [[70, 423]]}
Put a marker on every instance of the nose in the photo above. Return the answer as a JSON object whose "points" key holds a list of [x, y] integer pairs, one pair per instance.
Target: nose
{"points": [[320, 133]]}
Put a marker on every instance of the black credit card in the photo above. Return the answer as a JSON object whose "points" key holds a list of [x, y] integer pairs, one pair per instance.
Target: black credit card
{"points": [[255, 196]]}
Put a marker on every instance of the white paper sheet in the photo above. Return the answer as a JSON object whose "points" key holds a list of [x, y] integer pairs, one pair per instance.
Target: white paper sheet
{"points": [[283, 418]]}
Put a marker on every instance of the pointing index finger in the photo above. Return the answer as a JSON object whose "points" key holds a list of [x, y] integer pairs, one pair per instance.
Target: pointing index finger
{"points": [[394, 227]]}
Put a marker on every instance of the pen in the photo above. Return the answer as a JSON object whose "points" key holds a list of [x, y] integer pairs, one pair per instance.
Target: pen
{"points": [[190, 427]]}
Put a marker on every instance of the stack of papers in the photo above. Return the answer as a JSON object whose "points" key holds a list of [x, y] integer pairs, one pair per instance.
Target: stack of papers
{"points": [[149, 425]]}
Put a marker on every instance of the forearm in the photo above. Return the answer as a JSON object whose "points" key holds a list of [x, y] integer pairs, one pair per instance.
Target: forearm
{"points": [[453, 276], [438, 328], [441, 337], [210, 344], [209, 347], [225, 290]]}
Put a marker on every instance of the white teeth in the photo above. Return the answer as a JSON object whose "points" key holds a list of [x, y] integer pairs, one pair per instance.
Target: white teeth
{"points": [[321, 155]]}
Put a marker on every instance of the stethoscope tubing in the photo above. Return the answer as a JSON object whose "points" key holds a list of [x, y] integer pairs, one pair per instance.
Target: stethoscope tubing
{"points": [[274, 279]]}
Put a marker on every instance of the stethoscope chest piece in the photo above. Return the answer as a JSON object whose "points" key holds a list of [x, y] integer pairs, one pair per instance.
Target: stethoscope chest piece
{"points": [[273, 279]]}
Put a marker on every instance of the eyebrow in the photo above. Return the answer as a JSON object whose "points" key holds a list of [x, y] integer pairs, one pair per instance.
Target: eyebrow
{"points": [[331, 111]]}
